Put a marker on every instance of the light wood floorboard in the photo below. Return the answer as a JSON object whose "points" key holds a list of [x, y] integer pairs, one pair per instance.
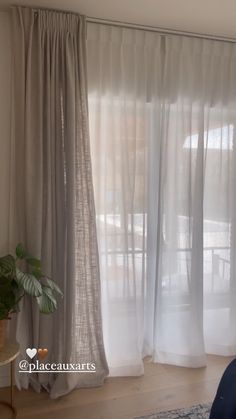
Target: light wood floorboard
{"points": [[162, 387]]}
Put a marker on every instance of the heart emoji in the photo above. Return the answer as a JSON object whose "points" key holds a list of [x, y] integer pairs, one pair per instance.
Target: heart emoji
{"points": [[31, 352], [42, 353]]}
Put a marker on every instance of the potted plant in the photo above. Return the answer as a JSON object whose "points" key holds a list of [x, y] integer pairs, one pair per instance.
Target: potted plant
{"points": [[16, 282]]}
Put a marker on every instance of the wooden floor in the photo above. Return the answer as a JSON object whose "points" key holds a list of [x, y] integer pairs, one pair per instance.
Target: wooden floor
{"points": [[163, 387]]}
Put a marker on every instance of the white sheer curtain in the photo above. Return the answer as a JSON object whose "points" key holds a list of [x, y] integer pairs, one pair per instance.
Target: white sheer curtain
{"points": [[121, 69], [191, 310], [162, 116]]}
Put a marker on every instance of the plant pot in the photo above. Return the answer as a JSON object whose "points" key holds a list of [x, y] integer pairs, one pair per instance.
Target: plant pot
{"points": [[3, 333]]}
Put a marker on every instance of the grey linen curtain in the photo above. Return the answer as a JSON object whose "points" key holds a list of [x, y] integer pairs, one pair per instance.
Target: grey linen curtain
{"points": [[52, 193]]}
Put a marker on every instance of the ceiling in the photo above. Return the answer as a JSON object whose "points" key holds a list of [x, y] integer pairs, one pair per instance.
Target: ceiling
{"points": [[217, 17]]}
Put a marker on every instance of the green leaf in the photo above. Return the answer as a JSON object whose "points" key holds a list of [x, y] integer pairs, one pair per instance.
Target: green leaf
{"points": [[30, 284], [7, 266], [34, 262], [47, 302], [14, 284], [5, 284], [18, 290], [20, 251], [7, 301], [37, 273], [53, 286]]}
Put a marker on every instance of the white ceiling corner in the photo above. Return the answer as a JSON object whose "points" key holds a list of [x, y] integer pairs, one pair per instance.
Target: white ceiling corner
{"points": [[216, 17]]}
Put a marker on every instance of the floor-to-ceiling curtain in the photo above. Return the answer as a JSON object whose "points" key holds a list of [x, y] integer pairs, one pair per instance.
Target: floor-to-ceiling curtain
{"points": [[162, 117], [52, 192], [193, 308], [123, 71]]}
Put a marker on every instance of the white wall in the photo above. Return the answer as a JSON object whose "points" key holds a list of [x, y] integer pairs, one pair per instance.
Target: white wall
{"points": [[5, 121]]}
